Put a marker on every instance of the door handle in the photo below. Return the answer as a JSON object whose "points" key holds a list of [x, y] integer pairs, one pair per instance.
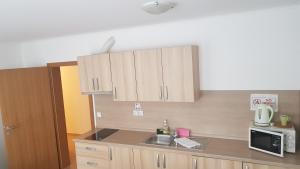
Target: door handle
{"points": [[93, 83], [167, 92], [9, 129], [161, 92], [97, 84], [164, 161], [115, 93], [195, 164], [157, 161]]}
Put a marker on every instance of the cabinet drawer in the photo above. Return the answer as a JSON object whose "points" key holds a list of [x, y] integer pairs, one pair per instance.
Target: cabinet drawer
{"points": [[91, 163], [92, 150]]}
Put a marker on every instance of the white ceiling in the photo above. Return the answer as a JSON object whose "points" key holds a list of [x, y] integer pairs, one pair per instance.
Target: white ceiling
{"points": [[34, 19]]}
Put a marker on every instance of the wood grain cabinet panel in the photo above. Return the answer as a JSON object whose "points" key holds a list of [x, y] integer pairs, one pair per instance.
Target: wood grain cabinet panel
{"points": [[162, 160], [94, 72], [211, 163], [123, 76], [260, 166], [149, 78], [122, 158], [180, 73]]}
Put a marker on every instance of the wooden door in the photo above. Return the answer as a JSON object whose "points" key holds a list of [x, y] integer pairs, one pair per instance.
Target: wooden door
{"points": [[180, 73], [86, 74], [123, 76], [212, 163], [149, 75], [102, 74], [150, 159], [122, 158], [175, 161], [26, 107], [259, 166]]}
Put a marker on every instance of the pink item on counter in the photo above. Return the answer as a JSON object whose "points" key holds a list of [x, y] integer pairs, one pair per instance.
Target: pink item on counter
{"points": [[183, 132]]}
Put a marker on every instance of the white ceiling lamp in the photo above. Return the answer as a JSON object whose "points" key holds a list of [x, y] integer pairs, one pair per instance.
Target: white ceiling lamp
{"points": [[158, 6]]}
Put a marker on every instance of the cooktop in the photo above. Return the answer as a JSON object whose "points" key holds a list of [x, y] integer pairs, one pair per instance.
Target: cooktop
{"points": [[102, 134]]}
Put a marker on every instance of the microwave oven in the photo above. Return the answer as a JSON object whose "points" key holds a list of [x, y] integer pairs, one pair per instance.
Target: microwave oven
{"points": [[266, 141]]}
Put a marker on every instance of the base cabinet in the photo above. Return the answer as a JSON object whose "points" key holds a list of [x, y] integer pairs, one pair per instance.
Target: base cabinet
{"points": [[149, 159], [212, 163], [260, 166]]}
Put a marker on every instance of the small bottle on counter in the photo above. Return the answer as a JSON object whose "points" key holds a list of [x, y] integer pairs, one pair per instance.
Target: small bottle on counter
{"points": [[166, 128]]}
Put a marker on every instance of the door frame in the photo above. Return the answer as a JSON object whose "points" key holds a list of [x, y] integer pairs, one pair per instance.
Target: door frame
{"points": [[59, 112]]}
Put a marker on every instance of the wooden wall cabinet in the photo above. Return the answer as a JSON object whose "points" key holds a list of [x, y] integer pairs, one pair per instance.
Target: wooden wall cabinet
{"points": [[123, 76], [167, 74], [95, 75]]}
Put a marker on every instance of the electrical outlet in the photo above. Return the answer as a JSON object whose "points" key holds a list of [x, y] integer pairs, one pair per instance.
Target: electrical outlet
{"points": [[99, 114], [138, 111], [269, 99]]}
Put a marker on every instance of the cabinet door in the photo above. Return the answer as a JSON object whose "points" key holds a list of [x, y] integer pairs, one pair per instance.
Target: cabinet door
{"points": [[94, 72], [180, 73], [102, 74], [123, 76], [150, 159], [259, 166], [211, 163], [122, 158], [175, 161], [86, 74], [149, 75]]}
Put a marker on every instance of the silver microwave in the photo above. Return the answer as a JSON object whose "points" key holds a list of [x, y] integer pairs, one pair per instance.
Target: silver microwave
{"points": [[266, 141]]}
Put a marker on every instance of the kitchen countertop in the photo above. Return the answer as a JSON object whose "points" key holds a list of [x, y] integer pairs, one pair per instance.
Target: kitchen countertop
{"points": [[213, 147]]}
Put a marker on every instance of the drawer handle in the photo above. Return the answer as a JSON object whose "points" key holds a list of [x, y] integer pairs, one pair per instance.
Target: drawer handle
{"points": [[90, 148], [195, 164], [157, 161], [247, 167], [91, 163], [164, 161]]}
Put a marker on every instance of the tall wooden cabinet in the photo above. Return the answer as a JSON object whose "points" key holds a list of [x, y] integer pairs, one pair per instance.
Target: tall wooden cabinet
{"points": [[123, 76], [95, 75]]}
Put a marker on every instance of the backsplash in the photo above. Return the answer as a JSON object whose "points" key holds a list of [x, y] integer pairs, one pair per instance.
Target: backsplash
{"points": [[224, 114]]}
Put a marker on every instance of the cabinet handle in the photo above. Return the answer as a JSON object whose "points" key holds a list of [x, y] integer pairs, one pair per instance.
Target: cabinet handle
{"points": [[98, 84], [247, 167], [110, 154], [93, 83], [90, 148], [157, 161], [195, 164], [167, 97], [91, 163], [161, 92], [115, 93], [164, 161]]}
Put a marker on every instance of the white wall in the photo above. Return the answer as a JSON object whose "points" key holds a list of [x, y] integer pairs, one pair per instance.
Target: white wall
{"points": [[10, 55], [252, 50]]}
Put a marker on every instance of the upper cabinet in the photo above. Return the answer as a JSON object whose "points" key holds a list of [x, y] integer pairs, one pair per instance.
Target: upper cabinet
{"points": [[149, 75], [167, 74], [180, 73], [163, 74], [123, 76], [95, 75]]}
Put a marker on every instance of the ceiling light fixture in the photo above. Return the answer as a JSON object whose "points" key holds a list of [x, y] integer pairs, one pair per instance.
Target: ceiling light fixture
{"points": [[158, 6]]}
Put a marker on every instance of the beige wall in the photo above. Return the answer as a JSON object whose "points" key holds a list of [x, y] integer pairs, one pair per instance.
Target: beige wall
{"points": [[217, 113], [76, 105]]}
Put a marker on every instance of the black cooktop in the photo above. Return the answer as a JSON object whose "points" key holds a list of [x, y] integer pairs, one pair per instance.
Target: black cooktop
{"points": [[102, 134]]}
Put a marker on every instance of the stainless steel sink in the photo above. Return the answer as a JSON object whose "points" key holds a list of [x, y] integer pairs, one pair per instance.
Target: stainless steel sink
{"points": [[160, 140]]}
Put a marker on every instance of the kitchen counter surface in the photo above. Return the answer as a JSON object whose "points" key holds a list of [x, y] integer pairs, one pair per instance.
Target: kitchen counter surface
{"points": [[212, 147]]}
